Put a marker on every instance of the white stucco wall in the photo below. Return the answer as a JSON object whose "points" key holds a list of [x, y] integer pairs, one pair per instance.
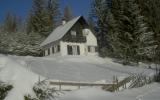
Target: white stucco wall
{"points": [[91, 39]]}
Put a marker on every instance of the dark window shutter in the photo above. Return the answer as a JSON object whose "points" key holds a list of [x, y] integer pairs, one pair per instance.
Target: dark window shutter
{"points": [[69, 49], [96, 49], [89, 49], [53, 50], [49, 51], [58, 48], [78, 50]]}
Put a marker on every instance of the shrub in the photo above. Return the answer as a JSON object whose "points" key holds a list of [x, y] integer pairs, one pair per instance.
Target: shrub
{"points": [[4, 88]]}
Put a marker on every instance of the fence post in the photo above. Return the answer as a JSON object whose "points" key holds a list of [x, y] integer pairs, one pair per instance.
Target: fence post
{"points": [[79, 85], [59, 85]]}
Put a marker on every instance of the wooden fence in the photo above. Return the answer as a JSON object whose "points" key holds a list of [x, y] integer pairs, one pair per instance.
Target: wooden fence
{"points": [[68, 86], [71, 85]]}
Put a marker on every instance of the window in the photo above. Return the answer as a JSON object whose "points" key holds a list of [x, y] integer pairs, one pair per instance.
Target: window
{"points": [[53, 50], [69, 49], [73, 50], [58, 48], [92, 49], [73, 33], [49, 51], [89, 48]]}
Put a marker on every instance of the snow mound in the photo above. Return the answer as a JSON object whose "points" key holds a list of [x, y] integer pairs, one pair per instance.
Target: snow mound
{"points": [[22, 79]]}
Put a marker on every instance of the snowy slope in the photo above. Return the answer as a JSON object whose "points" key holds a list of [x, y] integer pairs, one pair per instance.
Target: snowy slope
{"points": [[148, 92], [81, 68], [22, 80], [19, 72]]}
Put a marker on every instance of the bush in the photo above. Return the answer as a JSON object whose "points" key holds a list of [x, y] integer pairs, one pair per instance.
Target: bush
{"points": [[4, 88], [44, 91]]}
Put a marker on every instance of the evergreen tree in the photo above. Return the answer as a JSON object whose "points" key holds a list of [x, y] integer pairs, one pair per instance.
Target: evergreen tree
{"points": [[29, 23], [100, 10], [123, 31], [151, 9], [39, 17], [43, 17], [67, 13], [53, 15], [10, 23], [132, 31]]}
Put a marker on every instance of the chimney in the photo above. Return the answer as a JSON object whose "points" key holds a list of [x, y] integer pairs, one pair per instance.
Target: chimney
{"points": [[63, 21]]}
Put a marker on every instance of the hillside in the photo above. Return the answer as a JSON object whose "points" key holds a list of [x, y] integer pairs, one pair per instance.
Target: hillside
{"points": [[81, 68], [24, 72]]}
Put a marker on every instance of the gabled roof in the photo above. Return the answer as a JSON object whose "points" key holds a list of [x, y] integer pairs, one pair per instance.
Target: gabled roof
{"points": [[60, 31]]}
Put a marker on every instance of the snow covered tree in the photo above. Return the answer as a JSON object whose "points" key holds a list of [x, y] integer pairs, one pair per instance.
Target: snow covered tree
{"points": [[4, 88], [122, 30], [151, 9], [134, 36], [43, 17], [99, 13], [44, 91]]}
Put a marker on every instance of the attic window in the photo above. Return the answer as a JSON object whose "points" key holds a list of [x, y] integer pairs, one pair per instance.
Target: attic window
{"points": [[73, 33]]}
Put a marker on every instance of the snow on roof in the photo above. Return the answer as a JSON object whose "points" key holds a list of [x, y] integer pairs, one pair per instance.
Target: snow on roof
{"points": [[60, 31]]}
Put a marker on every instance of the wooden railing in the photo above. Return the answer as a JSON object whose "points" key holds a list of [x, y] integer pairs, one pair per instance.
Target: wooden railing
{"points": [[61, 85]]}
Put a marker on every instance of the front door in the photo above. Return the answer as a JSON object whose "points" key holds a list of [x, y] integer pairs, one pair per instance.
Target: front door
{"points": [[73, 50]]}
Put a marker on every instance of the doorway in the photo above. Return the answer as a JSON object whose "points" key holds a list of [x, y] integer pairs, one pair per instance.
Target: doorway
{"points": [[73, 50]]}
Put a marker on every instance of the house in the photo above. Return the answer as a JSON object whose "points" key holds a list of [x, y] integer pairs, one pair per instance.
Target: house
{"points": [[71, 38]]}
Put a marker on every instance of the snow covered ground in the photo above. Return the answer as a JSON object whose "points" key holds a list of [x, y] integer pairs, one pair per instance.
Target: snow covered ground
{"points": [[148, 92], [81, 68], [22, 80], [24, 72]]}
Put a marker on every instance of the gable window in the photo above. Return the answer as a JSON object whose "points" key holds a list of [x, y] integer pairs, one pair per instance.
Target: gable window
{"points": [[73, 33]]}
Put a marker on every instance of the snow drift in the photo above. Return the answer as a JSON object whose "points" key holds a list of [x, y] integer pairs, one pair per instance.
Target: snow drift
{"points": [[22, 80]]}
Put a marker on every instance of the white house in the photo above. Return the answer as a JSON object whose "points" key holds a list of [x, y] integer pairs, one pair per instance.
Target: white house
{"points": [[71, 38]]}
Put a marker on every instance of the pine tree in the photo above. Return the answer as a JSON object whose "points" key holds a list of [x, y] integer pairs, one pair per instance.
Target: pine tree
{"points": [[67, 13], [10, 23], [53, 15], [100, 12], [151, 9], [29, 23], [39, 17], [122, 30], [43, 17]]}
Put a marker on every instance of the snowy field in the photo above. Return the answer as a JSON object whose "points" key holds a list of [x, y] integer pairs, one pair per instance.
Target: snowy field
{"points": [[81, 68], [24, 72]]}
